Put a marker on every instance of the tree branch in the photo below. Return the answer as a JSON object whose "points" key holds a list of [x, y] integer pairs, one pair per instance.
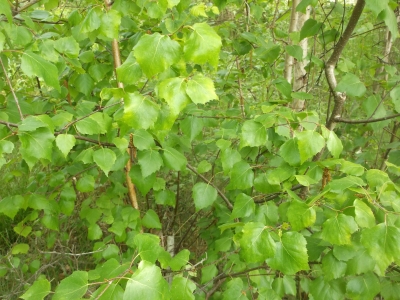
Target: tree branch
{"points": [[348, 121], [340, 98]]}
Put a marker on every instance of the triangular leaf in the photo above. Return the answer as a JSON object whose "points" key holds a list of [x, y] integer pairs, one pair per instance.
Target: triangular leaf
{"points": [[105, 159], [34, 65], [156, 52], [204, 195], [203, 45]]}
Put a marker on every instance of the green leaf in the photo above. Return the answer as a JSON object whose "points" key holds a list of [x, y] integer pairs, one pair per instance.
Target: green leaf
{"points": [[143, 140], [362, 262], [363, 287], [5, 9], [203, 45], [339, 185], [31, 123], [148, 246], [337, 230], [334, 144], [291, 254], [165, 197], [180, 260], [173, 159], [91, 22], [150, 161], [390, 19], [268, 52], [147, 283], [201, 89], [310, 28], [302, 6], [283, 86], [204, 166], [155, 9], [241, 176], [383, 244], [332, 290], [332, 267], [256, 243], [352, 168], [244, 206], [309, 144], [20, 248], [364, 216], [300, 215], [105, 159], [144, 184], [295, 51], [38, 290], [84, 84], [290, 152], [182, 288], [34, 65], [173, 91], [192, 127], [109, 26], [151, 220], [129, 72], [2, 37], [351, 85], [305, 180], [376, 6], [6, 147], [155, 53], [121, 143], [36, 145], [395, 97], [65, 142], [234, 290], [67, 46], [204, 195], [72, 287], [253, 134], [139, 112]]}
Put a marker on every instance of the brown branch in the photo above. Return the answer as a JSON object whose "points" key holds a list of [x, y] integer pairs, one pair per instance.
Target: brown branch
{"points": [[340, 98], [131, 150], [26, 6], [348, 121], [88, 115], [12, 89], [222, 195]]}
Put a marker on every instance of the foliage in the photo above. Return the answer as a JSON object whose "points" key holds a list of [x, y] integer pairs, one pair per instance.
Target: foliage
{"points": [[160, 157]]}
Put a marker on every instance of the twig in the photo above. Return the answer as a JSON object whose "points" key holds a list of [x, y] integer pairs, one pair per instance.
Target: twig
{"points": [[228, 203], [88, 115], [340, 120], [12, 89]]}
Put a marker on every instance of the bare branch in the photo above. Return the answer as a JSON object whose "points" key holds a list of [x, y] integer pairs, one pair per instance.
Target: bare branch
{"points": [[348, 121]]}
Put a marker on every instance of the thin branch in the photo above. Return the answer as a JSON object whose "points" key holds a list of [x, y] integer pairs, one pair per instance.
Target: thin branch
{"points": [[12, 89], [26, 6], [88, 115], [341, 120], [228, 203], [340, 98]]}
